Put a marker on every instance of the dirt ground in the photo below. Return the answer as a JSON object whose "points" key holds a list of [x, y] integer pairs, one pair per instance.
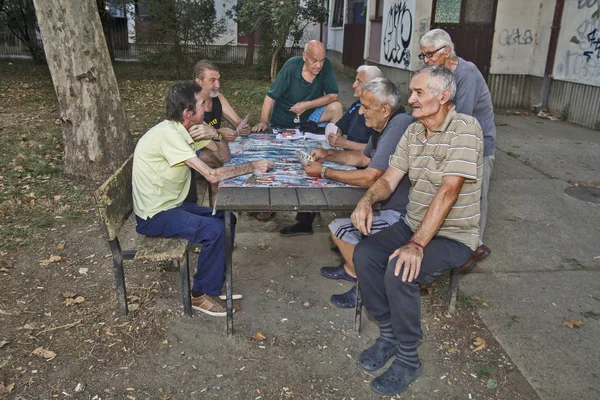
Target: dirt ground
{"points": [[61, 335]]}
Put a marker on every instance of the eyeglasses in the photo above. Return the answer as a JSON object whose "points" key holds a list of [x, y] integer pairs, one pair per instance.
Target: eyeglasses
{"points": [[429, 54]]}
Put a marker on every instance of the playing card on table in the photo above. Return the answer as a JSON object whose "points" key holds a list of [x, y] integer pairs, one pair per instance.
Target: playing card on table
{"points": [[242, 124], [304, 157]]}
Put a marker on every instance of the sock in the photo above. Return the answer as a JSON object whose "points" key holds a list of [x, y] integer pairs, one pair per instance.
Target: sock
{"points": [[385, 330], [408, 355]]}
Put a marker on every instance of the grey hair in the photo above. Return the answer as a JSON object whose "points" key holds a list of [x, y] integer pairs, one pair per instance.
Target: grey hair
{"points": [[384, 92], [371, 71], [440, 79], [437, 38]]}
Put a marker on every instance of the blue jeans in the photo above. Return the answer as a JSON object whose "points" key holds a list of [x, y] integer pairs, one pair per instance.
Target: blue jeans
{"points": [[198, 225]]}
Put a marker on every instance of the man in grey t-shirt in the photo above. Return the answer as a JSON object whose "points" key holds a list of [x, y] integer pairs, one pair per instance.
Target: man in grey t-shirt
{"points": [[472, 98], [380, 104]]}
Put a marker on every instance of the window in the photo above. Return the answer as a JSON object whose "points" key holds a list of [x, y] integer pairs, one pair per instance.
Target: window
{"points": [[447, 11], [337, 20]]}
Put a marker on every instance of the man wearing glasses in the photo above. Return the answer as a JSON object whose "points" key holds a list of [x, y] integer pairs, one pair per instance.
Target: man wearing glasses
{"points": [[472, 98]]}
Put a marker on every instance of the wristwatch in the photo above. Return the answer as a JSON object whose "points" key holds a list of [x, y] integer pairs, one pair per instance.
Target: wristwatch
{"points": [[218, 138]]}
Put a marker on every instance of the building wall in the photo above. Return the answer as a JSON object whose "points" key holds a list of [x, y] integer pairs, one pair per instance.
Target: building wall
{"points": [[578, 50], [335, 36]]}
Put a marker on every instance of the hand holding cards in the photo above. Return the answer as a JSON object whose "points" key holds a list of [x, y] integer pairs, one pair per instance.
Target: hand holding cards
{"points": [[304, 157], [242, 124]]}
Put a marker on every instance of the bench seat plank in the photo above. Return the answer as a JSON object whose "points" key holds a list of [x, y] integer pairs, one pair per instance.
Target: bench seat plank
{"points": [[161, 249]]}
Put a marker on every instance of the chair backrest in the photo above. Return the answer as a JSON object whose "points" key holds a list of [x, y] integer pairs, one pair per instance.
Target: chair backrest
{"points": [[114, 199]]}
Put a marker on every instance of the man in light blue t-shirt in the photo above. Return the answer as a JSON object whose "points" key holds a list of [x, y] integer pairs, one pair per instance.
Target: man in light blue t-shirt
{"points": [[472, 98]]}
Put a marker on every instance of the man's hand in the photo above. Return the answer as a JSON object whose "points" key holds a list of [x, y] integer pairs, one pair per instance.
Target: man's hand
{"points": [[203, 131], [245, 131], [313, 169], [262, 165], [410, 256], [336, 140], [228, 134], [362, 217], [318, 154], [299, 108], [260, 127]]}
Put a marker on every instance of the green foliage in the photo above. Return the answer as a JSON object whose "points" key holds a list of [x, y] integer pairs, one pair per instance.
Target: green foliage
{"points": [[180, 29], [19, 17], [276, 21]]}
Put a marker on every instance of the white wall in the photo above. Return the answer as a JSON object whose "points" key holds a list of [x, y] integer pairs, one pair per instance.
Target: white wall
{"points": [[517, 39], [578, 50], [335, 36]]}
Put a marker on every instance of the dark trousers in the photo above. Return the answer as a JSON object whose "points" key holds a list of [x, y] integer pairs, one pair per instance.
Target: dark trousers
{"points": [[385, 296], [198, 225], [306, 218]]}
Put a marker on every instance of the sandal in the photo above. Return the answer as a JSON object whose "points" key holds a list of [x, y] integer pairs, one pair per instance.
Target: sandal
{"points": [[338, 272]]}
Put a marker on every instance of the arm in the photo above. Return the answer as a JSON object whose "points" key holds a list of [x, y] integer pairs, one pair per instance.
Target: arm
{"points": [[361, 177], [264, 115], [302, 106], [411, 255], [353, 158], [214, 175], [362, 217], [221, 150], [232, 116], [464, 100], [339, 141]]}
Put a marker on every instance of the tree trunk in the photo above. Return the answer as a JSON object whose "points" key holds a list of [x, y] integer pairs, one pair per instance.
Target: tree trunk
{"points": [[94, 126], [274, 63], [250, 48]]}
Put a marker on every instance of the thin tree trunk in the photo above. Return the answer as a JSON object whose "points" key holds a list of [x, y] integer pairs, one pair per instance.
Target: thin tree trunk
{"points": [[274, 63], [250, 48], [94, 126]]}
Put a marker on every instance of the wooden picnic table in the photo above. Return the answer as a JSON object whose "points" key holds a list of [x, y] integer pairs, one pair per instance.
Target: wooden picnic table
{"points": [[259, 199]]}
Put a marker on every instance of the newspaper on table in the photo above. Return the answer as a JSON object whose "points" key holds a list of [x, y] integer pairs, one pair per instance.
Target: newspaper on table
{"points": [[296, 134]]}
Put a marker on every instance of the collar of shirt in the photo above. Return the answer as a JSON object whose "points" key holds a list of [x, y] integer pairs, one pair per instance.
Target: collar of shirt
{"points": [[421, 132]]}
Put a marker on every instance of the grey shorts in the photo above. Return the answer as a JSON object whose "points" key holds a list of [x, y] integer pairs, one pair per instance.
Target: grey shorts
{"points": [[343, 229]]}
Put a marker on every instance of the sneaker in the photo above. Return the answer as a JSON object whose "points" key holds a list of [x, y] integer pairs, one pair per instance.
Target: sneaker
{"points": [[234, 296], [210, 305], [296, 230]]}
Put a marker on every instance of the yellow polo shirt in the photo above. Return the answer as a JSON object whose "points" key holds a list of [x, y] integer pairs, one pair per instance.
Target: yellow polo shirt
{"points": [[161, 180]]}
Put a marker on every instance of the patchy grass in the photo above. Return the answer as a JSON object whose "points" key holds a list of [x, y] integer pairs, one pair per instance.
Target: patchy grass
{"points": [[35, 196]]}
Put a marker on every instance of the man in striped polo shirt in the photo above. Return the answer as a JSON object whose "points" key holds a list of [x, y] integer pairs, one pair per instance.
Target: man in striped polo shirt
{"points": [[442, 153]]}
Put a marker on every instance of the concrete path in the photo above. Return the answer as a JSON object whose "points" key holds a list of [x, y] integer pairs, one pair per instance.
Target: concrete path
{"points": [[545, 263]]}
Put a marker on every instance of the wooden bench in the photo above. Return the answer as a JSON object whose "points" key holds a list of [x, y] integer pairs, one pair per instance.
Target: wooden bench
{"points": [[115, 204]]}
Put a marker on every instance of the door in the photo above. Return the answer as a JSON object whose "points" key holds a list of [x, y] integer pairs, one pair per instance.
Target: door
{"points": [[470, 24]]}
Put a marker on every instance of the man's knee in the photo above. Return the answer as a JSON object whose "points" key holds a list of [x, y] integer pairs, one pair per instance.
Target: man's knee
{"points": [[361, 257], [333, 111]]}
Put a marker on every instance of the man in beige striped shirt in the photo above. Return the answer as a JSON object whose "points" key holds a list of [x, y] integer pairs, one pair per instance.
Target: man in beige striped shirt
{"points": [[442, 153]]}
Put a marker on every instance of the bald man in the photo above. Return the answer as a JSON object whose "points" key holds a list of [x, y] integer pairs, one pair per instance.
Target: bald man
{"points": [[305, 89]]}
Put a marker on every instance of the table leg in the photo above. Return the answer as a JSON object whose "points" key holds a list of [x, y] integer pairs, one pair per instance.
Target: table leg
{"points": [[228, 272]]}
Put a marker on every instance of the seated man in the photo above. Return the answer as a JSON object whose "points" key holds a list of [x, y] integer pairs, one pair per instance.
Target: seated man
{"points": [[358, 134], [383, 113], [352, 123], [305, 89], [472, 98], [442, 154], [161, 180]]}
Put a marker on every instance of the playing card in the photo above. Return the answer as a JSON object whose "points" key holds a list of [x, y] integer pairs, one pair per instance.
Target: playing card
{"points": [[241, 125], [331, 129], [304, 157]]}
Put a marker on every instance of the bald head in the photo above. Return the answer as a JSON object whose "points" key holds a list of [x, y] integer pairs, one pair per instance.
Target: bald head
{"points": [[314, 44]]}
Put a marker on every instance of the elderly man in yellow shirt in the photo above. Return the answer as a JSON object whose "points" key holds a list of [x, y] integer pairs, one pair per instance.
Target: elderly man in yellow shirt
{"points": [[162, 164]]}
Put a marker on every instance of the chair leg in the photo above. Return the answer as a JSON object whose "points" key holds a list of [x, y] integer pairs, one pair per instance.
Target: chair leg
{"points": [[228, 272], [184, 271], [358, 309], [454, 278], [115, 248]]}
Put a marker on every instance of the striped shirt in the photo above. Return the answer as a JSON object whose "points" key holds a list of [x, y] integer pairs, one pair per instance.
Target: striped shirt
{"points": [[455, 149]]}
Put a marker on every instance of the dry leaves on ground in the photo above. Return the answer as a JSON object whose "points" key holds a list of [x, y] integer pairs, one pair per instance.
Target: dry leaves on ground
{"points": [[573, 323], [44, 353], [52, 259], [6, 389], [479, 344], [72, 298], [259, 337]]}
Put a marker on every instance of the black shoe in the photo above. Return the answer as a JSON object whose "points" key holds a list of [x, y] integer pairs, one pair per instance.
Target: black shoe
{"points": [[395, 379], [345, 300], [296, 230]]}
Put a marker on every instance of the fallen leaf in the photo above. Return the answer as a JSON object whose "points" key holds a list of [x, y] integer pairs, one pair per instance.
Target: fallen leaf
{"points": [[29, 326], [77, 300], [492, 384], [6, 389], [44, 353], [52, 259], [261, 246], [83, 271], [452, 350], [573, 323], [476, 298], [259, 337], [61, 245], [57, 197], [479, 344]]}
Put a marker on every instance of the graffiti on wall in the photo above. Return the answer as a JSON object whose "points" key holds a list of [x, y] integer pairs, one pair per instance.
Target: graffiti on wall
{"points": [[515, 37], [397, 34], [578, 51]]}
